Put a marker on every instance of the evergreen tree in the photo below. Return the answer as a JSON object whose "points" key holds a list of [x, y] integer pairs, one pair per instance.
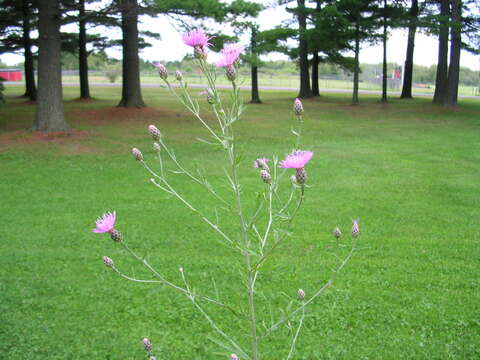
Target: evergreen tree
{"points": [[18, 19]]}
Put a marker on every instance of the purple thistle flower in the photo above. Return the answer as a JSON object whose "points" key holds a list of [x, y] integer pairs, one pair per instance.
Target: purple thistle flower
{"points": [[296, 160], [178, 75], [162, 71], [266, 177], [196, 38], [261, 163], [106, 223], [298, 107], [137, 154], [355, 228], [153, 130], [234, 357], [301, 294], [107, 261], [147, 344], [230, 54], [337, 232]]}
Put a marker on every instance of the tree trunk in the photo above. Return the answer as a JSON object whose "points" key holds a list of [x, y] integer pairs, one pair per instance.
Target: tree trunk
{"points": [[49, 116], [254, 68], [384, 40], [455, 47], [305, 91], [82, 52], [408, 68], [356, 70], [131, 91], [255, 93], [315, 77], [30, 88], [441, 78]]}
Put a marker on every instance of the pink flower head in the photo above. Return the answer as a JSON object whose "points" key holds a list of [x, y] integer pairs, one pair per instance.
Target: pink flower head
{"points": [[296, 160], [230, 54], [260, 163], [105, 223], [196, 38], [235, 49]]}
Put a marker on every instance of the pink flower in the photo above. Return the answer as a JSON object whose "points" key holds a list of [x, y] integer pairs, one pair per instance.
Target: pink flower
{"points": [[296, 160], [196, 38], [105, 223], [260, 163], [235, 49], [230, 54]]}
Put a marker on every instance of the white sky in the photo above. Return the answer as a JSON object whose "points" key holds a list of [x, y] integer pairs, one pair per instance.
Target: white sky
{"points": [[172, 48]]}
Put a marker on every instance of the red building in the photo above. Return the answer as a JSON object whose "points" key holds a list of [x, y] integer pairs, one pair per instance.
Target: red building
{"points": [[11, 74]]}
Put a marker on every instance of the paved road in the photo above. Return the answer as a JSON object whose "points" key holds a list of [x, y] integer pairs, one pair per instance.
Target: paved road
{"points": [[280, 88]]}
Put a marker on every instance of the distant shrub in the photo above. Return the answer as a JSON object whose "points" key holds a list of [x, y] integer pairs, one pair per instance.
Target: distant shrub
{"points": [[113, 72]]}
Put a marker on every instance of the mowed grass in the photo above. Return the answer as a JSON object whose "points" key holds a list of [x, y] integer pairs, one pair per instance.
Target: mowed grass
{"points": [[408, 170]]}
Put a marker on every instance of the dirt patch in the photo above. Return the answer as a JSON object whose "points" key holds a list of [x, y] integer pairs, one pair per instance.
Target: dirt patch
{"points": [[71, 139], [123, 116]]}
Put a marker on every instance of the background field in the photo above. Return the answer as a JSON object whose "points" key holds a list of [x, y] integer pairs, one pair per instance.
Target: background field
{"points": [[408, 170], [280, 80]]}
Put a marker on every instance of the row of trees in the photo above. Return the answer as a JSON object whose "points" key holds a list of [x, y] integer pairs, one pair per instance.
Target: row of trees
{"points": [[325, 30]]}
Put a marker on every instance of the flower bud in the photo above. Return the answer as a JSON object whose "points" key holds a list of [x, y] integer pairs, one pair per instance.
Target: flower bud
{"points": [[107, 261], [153, 130], [231, 73], [301, 294], [157, 147], [137, 154], [266, 177], [234, 357], [210, 97], [178, 75], [298, 107], [162, 71], [301, 176], [355, 228], [337, 233], [152, 358], [116, 235], [147, 344]]}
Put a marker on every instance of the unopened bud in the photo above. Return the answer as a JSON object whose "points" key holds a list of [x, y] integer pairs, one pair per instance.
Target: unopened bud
{"points": [[162, 71], [210, 97], [153, 130], [266, 177], [181, 269], [301, 176], [107, 261], [231, 73], [298, 107], [337, 233], [355, 228], [147, 344], [301, 294], [137, 154], [116, 235], [157, 147], [152, 358], [178, 75], [234, 357]]}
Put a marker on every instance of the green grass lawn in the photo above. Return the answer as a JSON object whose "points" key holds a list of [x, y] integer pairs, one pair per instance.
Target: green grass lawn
{"points": [[408, 170]]}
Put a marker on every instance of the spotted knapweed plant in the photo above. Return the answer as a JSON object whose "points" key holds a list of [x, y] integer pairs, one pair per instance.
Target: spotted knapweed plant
{"points": [[260, 232]]}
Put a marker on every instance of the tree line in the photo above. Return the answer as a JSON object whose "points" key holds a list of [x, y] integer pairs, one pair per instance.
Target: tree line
{"points": [[324, 30]]}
